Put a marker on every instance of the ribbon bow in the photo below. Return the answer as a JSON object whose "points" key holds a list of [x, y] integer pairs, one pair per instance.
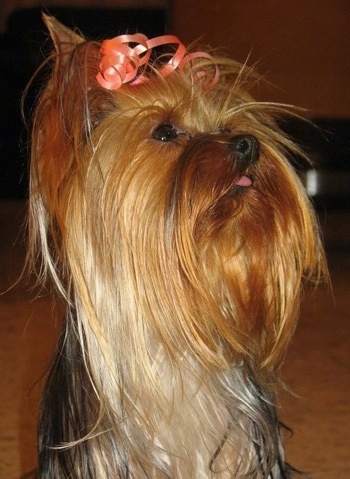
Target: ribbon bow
{"points": [[121, 62]]}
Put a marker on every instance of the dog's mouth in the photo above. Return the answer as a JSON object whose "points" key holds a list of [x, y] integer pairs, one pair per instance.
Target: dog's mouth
{"points": [[244, 181], [240, 186]]}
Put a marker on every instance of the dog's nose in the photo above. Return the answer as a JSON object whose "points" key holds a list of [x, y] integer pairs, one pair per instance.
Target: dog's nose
{"points": [[245, 149]]}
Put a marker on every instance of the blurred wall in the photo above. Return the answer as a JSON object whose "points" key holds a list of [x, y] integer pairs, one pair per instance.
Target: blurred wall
{"points": [[301, 46], [8, 6]]}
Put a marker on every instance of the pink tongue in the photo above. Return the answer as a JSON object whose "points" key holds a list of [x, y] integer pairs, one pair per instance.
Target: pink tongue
{"points": [[244, 181]]}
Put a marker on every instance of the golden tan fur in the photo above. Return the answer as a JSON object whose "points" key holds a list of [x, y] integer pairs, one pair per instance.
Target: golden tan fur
{"points": [[182, 290]]}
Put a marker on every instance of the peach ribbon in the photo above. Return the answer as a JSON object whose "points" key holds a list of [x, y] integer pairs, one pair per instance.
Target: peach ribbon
{"points": [[121, 62]]}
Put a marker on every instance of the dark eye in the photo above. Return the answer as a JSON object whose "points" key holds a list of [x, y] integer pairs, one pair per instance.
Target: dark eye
{"points": [[165, 132]]}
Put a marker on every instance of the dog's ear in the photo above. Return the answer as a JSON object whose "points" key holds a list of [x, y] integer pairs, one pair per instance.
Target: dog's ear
{"points": [[64, 39]]}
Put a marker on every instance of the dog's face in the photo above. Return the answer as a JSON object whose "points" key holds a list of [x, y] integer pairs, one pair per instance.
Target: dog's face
{"points": [[173, 210]]}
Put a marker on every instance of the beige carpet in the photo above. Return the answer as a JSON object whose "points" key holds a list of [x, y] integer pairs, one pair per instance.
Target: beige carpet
{"points": [[317, 367]]}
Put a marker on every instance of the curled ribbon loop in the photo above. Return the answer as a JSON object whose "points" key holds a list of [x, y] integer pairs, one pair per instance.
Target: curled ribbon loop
{"points": [[121, 62]]}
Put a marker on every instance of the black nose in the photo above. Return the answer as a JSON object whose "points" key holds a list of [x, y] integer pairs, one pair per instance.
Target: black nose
{"points": [[245, 149]]}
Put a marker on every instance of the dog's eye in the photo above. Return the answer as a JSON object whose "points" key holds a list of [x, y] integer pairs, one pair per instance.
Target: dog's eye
{"points": [[165, 132]]}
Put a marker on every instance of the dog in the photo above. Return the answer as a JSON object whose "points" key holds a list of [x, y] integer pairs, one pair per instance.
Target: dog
{"points": [[171, 222]]}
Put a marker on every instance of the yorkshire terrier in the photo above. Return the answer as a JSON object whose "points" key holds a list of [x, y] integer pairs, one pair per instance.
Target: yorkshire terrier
{"points": [[171, 222]]}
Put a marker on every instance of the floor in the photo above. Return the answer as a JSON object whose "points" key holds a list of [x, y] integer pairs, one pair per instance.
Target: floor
{"points": [[317, 368]]}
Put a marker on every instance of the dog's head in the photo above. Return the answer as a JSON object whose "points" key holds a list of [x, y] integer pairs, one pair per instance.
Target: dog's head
{"points": [[166, 208]]}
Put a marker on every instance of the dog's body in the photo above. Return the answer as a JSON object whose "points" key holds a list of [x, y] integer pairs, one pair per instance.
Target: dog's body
{"points": [[174, 227]]}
